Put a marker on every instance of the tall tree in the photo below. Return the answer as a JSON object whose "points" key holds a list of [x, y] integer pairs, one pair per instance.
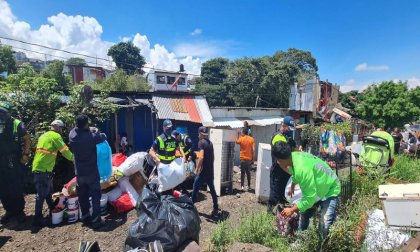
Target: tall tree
{"points": [[350, 99], [302, 59], [76, 61], [213, 71], [121, 81], [54, 70], [389, 104], [7, 61], [127, 56]]}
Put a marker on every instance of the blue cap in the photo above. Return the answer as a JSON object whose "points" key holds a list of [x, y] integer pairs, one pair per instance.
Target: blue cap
{"points": [[6, 107], [290, 122], [167, 124], [203, 130]]}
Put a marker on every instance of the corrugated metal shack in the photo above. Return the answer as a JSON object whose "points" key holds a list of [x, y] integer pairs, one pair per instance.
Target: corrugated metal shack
{"points": [[141, 115]]}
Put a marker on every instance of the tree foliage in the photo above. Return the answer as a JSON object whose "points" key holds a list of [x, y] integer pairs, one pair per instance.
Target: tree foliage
{"points": [[76, 61], [54, 70], [127, 56], [121, 81], [7, 62], [265, 80], [350, 99], [389, 104]]}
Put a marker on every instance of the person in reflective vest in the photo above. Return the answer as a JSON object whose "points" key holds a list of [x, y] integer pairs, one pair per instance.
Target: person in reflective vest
{"points": [[49, 144], [14, 152], [165, 146], [279, 178], [317, 181], [184, 142]]}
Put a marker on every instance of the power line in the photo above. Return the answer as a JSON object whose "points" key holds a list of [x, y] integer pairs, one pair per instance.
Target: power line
{"points": [[80, 54]]}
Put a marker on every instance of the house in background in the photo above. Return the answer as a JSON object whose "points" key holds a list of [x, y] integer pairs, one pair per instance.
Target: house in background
{"points": [[313, 101], [163, 80], [85, 73]]}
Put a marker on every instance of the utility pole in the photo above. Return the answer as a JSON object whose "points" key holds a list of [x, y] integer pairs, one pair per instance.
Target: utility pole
{"points": [[256, 101]]}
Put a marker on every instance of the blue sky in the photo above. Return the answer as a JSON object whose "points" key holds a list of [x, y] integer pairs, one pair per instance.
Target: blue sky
{"points": [[355, 42]]}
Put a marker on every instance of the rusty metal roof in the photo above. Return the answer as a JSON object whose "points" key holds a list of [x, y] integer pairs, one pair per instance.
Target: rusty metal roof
{"points": [[183, 108]]}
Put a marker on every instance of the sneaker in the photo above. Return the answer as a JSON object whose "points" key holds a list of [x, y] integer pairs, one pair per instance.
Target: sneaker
{"points": [[86, 222], [243, 188], [215, 212], [6, 218], [249, 189], [98, 224], [21, 218]]}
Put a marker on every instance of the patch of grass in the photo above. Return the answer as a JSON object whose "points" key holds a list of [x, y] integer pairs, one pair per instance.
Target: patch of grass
{"points": [[406, 168], [221, 237]]}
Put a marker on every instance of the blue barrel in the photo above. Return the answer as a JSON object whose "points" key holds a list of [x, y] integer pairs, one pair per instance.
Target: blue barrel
{"points": [[182, 130]]}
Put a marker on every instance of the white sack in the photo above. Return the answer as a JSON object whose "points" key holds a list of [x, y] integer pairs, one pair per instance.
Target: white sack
{"points": [[132, 164], [114, 194], [169, 176], [125, 185], [382, 238], [297, 194]]}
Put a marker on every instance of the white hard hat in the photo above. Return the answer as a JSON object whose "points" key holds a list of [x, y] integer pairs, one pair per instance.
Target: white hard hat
{"points": [[58, 123]]}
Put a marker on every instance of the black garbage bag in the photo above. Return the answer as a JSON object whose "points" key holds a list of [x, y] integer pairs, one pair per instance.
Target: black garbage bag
{"points": [[170, 220]]}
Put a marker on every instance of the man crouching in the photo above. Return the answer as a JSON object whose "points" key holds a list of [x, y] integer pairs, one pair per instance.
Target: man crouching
{"points": [[317, 181]]}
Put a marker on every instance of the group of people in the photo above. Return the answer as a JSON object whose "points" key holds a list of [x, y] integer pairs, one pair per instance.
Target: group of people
{"points": [[15, 151]]}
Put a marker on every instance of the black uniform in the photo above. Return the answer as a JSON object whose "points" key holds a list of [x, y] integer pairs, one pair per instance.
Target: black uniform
{"points": [[11, 170], [278, 177]]}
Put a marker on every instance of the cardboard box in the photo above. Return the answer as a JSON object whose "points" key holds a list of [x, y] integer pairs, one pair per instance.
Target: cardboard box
{"points": [[138, 182]]}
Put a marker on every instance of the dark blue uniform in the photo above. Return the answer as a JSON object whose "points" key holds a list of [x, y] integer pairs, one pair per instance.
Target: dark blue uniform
{"points": [[83, 145]]}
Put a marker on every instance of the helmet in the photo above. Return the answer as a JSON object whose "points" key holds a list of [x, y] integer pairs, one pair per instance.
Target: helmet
{"points": [[6, 107]]}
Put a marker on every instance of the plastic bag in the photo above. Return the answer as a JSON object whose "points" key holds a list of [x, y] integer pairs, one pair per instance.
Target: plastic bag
{"points": [[286, 226], [190, 168], [118, 159], [104, 159], [170, 220], [114, 194], [297, 194], [169, 176], [132, 164], [123, 204]]}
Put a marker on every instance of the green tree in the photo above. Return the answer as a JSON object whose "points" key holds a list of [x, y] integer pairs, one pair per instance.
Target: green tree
{"points": [[213, 71], [350, 100], [127, 56], [76, 61], [121, 81], [7, 61], [389, 104], [54, 70], [302, 59]]}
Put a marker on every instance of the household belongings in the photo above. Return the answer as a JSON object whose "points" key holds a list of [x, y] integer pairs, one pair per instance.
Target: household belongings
{"points": [[132, 164], [170, 220], [104, 160], [286, 226], [332, 143], [118, 159], [401, 204], [381, 238], [171, 175], [377, 151]]}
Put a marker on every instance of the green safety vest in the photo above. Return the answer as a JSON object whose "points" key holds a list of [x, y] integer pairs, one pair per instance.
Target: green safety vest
{"points": [[167, 147], [278, 137]]}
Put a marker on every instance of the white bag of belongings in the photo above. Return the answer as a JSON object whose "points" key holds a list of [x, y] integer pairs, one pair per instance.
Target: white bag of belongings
{"points": [[297, 194], [171, 175], [132, 164], [125, 185], [114, 194]]}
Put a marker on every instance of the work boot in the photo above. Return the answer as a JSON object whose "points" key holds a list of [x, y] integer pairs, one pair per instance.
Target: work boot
{"points": [[6, 218], [98, 224], [87, 222], [21, 218], [40, 222]]}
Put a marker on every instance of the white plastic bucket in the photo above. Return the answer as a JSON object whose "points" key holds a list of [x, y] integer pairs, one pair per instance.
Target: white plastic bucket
{"points": [[73, 203], [57, 217], [72, 215]]}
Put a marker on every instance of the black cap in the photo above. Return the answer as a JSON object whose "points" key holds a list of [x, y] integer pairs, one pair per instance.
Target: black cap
{"points": [[203, 130]]}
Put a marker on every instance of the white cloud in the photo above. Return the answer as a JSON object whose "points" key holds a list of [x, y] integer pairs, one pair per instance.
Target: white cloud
{"points": [[413, 82], [82, 34], [365, 67], [196, 32], [201, 49]]}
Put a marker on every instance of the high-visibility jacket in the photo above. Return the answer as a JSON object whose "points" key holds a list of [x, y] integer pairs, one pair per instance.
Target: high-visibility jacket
{"points": [[49, 144], [315, 178], [10, 139], [183, 144], [167, 148]]}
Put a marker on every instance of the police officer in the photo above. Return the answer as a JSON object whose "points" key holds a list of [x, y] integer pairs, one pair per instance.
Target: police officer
{"points": [[48, 145], [278, 177], [184, 142], [165, 146], [14, 152]]}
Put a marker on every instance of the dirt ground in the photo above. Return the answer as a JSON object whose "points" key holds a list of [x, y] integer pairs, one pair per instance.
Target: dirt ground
{"points": [[66, 237]]}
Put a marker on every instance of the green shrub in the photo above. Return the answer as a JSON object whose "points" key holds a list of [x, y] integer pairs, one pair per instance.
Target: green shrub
{"points": [[221, 237], [406, 168]]}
